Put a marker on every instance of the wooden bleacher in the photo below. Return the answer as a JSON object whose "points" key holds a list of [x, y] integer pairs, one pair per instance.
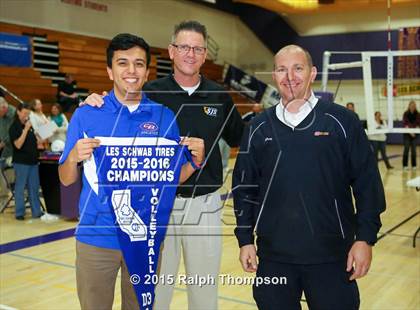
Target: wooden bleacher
{"points": [[243, 104], [27, 84], [84, 57]]}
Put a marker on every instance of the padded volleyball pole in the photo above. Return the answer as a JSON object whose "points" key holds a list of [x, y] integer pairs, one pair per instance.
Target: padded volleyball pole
{"points": [[390, 71], [367, 83], [325, 64]]}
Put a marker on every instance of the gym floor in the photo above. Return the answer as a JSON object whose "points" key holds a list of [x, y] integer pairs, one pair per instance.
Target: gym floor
{"points": [[37, 259]]}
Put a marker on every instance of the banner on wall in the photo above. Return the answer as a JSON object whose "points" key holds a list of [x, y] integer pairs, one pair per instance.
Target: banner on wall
{"points": [[15, 50], [403, 89], [258, 91], [244, 83]]}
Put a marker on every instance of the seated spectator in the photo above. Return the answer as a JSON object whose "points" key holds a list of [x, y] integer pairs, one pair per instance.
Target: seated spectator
{"points": [[25, 162], [61, 121], [66, 94], [7, 116], [38, 119]]}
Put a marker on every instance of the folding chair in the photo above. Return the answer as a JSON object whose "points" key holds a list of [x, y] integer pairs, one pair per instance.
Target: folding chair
{"points": [[11, 188], [9, 185]]}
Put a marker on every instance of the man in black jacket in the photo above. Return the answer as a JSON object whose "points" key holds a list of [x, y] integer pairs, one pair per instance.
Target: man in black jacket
{"points": [[298, 165]]}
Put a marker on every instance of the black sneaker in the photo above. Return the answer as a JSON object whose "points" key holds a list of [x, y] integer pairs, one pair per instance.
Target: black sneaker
{"points": [[20, 218]]}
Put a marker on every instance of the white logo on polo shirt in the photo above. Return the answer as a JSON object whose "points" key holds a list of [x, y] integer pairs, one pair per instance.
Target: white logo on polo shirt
{"points": [[210, 111]]}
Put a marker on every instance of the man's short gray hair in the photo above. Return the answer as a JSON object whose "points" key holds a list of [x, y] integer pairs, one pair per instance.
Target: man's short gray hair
{"points": [[190, 25]]}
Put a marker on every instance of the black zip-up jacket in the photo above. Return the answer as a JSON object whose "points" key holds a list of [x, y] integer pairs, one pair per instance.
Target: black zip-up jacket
{"points": [[294, 186], [209, 113]]}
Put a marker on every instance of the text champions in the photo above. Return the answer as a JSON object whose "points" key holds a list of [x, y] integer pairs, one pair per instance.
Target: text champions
{"points": [[140, 164]]}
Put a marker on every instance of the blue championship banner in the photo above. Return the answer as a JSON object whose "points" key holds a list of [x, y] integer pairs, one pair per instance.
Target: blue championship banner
{"points": [[15, 50], [138, 177]]}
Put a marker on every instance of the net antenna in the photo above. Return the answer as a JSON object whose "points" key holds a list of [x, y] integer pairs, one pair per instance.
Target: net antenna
{"points": [[365, 64]]}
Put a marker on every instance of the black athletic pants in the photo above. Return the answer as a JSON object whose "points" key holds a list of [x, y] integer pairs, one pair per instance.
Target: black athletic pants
{"points": [[326, 286], [409, 143]]}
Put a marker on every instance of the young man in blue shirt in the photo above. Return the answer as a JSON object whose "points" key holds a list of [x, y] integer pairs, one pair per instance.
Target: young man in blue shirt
{"points": [[130, 146], [204, 109]]}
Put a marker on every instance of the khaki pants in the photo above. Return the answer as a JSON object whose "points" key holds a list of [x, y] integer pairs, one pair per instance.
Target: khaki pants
{"points": [[195, 230], [96, 274]]}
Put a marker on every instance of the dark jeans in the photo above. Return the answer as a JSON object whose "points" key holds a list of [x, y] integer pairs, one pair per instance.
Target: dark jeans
{"points": [[326, 287], [380, 146], [67, 103], [409, 143]]}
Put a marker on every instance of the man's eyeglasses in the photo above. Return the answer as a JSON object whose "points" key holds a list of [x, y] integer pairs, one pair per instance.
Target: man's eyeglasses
{"points": [[184, 49]]}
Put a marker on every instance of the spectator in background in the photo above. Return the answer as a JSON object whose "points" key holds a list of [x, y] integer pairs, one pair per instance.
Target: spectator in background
{"points": [[38, 119], [61, 121], [7, 114], [25, 162], [411, 119], [66, 95], [350, 106], [379, 140], [37, 116]]}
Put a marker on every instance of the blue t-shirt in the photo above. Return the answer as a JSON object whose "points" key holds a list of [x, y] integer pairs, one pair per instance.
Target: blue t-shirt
{"points": [[137, 149], [129, 183]]}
